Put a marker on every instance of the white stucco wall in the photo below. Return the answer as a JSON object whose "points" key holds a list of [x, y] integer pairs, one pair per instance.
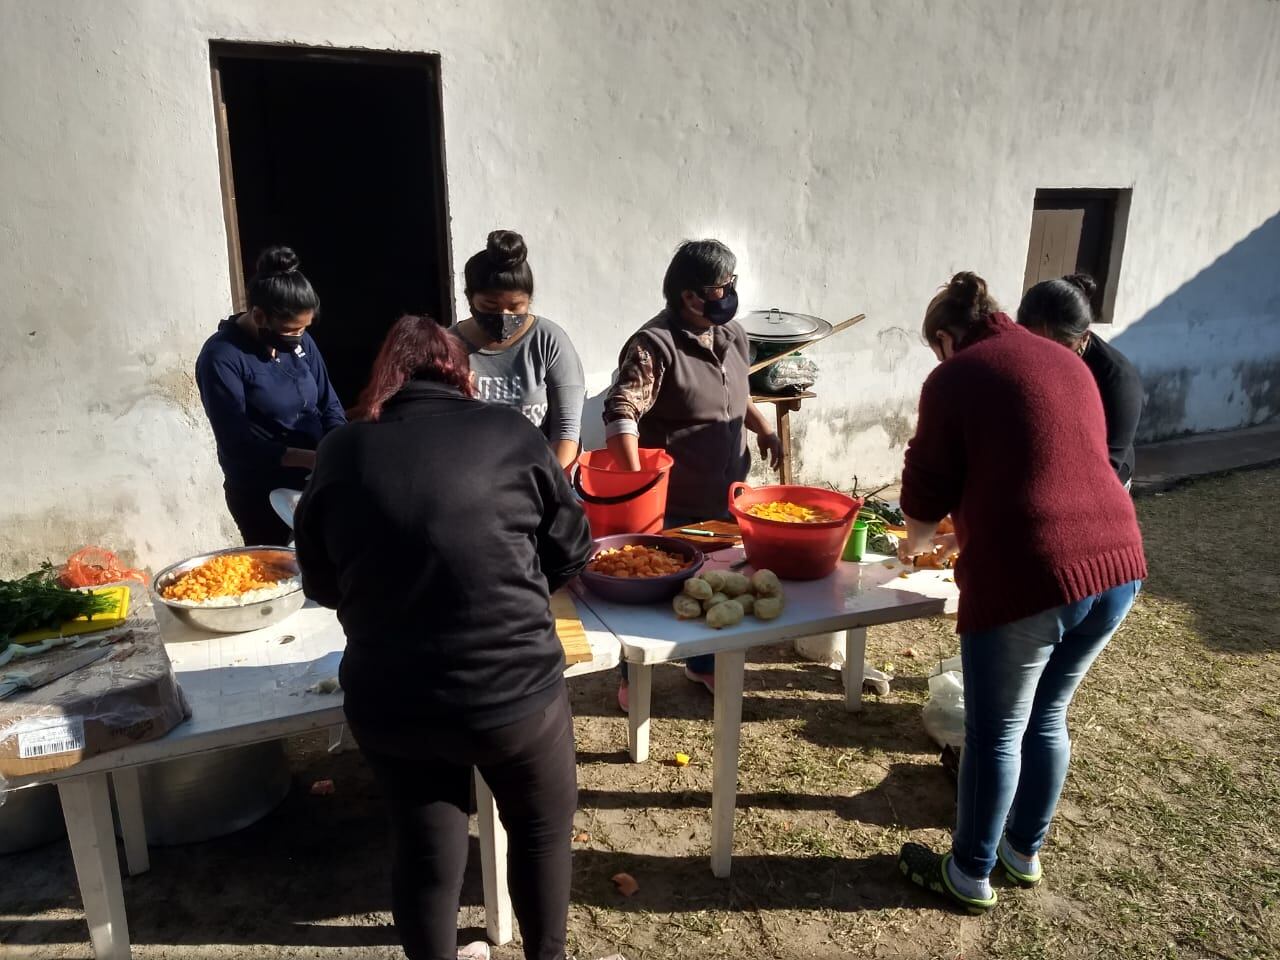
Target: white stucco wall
{"points": [[853, 154]]}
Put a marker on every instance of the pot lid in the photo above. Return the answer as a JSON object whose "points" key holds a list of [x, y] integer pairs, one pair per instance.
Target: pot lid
{"points": [[780, 326]]}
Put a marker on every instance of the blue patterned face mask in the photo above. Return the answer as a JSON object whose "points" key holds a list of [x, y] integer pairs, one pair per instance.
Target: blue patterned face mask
{"points": [[719, 312]]}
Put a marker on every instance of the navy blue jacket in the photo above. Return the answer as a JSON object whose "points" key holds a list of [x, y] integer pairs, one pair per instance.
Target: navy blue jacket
{"points": [[259, 405]]}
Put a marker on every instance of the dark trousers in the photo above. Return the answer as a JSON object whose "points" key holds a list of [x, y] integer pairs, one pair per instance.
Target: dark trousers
{"points": [[257, 520], [425, 776]]}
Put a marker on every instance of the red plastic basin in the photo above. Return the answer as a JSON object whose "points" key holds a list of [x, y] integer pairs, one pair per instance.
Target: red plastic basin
{"points": [[794, 551]]}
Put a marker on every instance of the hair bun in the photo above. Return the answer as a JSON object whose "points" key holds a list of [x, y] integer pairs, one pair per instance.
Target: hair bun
{"points": [[277, 260], [968, 288], [1084, 283], [506, 250]]}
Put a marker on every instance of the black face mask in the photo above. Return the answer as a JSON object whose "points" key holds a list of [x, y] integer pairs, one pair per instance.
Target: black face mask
{"points": [[499, 326], [284, 342], [721, 311]]}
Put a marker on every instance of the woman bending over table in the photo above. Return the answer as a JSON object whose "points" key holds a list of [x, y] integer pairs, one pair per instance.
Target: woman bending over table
{"points": [[438, 526], [1012, 442], [267, 394], [1062, 310]]}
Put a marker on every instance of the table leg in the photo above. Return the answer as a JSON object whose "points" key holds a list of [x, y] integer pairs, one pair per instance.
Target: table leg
{"points": [[133, 827], [493, 866], [86, 806], [640, 693], [724, 785], [335, 736], [855, 659], [784, 435]]}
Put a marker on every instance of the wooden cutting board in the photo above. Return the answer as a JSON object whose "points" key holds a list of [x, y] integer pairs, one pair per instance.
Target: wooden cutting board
{"points": [[726, 535], [573, 637]]}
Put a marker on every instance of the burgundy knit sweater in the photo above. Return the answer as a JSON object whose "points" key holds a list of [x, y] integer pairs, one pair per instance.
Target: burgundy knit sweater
{"points": [[1012, 442]]}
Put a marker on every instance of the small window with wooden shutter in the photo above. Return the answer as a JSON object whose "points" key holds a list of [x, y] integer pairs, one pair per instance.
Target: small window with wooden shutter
{"points": [[1079, 231]]}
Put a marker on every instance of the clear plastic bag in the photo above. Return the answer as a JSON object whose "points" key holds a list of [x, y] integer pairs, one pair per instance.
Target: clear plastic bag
{"points": [[943, 712], [792, 373]]}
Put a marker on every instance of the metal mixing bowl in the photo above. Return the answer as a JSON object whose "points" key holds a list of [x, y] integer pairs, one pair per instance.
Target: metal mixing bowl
{"points": [[239, 619]]}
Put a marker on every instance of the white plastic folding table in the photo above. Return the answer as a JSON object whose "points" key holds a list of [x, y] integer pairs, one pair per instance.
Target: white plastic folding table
{"points": [[854, 597], [243, 689]]}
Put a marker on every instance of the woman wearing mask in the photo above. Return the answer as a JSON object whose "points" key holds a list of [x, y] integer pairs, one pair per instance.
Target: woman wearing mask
{"points": [[267, 394], [519, 359], [682, 387], [1062, 310], [1012, 443], [442, 582]]}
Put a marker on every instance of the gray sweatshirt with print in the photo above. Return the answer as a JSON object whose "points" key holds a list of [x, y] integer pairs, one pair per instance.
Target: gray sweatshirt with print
{"points": [[540, 373]]}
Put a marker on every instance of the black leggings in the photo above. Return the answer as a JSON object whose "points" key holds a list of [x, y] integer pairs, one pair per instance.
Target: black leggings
{"points": [[259, 524], [425, 776]]}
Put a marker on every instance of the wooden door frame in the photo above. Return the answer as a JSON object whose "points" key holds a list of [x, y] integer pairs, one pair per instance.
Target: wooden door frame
{"points": [[429, 63]]}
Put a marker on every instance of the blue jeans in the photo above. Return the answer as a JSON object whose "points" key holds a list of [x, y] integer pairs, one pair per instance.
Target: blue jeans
{"points": [[1018, 682]]}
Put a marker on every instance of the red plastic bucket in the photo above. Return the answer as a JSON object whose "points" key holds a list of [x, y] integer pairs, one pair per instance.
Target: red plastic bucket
{"points": [[794, 551], [623, 501]]}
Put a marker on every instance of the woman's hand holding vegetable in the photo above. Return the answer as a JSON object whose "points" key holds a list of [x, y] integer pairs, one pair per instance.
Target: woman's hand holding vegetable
{"points": [[920, 539], [946, 546]]}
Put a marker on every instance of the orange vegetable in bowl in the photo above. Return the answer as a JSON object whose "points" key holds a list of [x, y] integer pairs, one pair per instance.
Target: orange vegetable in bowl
{"points": [[784, 511], [227, 575], [635, 560]]}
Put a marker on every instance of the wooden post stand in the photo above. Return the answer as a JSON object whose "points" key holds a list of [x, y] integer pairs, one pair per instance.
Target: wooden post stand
{"points": [[784, 406]]}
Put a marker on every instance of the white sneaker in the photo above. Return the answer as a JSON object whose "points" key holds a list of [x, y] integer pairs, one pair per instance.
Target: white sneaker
{"points": [[476, 950]]}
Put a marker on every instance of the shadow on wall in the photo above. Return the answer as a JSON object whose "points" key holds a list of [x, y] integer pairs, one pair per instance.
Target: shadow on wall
{"points": [[1209, 353]]}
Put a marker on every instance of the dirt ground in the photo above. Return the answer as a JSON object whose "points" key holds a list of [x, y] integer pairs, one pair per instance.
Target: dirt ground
{"points": [[1167, 843]]}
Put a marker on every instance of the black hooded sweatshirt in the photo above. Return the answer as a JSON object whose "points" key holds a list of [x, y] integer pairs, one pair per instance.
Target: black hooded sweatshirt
{"points": [[438, 533]]}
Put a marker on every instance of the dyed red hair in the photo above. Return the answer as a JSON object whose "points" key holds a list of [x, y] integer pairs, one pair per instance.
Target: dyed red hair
{"points": [[416, 348]]}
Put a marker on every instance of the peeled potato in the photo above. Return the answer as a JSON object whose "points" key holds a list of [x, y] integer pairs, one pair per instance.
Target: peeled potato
{"points": [[698, 588], [716, 578], [765, 583], [747, 602], [768, 608], [725, 614], [713, 600], [686, 608], [735, 585]]}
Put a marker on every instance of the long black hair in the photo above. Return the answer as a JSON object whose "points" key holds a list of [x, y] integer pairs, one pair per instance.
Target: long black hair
{"points": [[696, 264], [278, 288], [1062, 309], [502, 265]]}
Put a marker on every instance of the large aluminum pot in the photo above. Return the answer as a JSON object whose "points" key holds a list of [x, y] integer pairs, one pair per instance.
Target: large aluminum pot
{"points": [[30, 818], [209, 795], [238, 619]]}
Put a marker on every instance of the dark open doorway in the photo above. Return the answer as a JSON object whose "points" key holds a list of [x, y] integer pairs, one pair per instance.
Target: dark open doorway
{"points": [[340, 155]]}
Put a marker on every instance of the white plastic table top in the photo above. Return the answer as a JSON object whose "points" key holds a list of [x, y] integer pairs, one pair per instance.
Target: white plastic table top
{"points": [[250, 687], [863, 594]]}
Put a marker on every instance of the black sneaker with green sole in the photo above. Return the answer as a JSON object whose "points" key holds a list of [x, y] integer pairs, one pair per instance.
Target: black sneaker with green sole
{"points": [[928, 871]]}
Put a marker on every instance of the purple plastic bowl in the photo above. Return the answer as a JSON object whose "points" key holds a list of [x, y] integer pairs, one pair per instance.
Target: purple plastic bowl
{"points": [[646, 589]]}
